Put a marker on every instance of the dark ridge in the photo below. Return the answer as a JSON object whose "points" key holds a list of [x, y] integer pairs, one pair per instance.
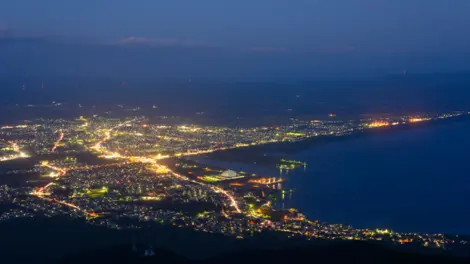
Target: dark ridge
{"points": [[340, 252], [124, 254]]}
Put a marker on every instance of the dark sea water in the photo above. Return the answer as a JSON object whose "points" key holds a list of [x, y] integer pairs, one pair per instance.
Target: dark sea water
{"points": [[414, 180]]}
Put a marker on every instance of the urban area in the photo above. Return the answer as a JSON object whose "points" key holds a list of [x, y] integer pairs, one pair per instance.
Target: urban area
{"points": [[122, 173]]}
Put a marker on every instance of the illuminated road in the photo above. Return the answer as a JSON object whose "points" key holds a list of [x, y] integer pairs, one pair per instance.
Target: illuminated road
{"points": [[107, 136], [41, 191], [108, 141], [19, 154], [233, 202], [71, 205], [58, 141], [61, 171], [157, 168], [216, 189], [207, 151], [160, 168], [89, 167]]}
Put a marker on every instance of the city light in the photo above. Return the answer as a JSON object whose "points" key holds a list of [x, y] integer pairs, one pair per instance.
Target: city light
{"points": [[150, 170], [58, 141], [378, 124], [416, 120]]}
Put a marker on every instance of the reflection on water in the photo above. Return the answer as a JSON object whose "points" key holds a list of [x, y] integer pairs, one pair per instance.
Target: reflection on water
{"points": [[412, 181]]}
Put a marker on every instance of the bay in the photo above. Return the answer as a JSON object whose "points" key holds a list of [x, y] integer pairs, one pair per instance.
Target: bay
{"points": [[415, 180]]}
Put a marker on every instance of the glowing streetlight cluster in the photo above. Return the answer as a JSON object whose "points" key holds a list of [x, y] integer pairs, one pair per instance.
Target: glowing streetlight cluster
{"points": [[148, 166]]}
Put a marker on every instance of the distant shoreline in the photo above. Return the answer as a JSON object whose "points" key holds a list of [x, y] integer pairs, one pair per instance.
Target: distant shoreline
{"points": [[257, 153]]}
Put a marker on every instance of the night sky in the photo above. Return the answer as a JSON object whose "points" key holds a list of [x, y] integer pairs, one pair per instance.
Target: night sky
{"points": [[236, 38]]}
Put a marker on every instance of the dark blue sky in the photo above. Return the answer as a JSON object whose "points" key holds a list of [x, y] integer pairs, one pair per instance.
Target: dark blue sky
{"points": [[309, 35]]}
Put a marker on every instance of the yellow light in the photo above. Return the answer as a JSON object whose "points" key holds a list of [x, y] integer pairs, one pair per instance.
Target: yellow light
{"points": [[114, 155], [415, 120], [53, 174], [378, 124], [382, 231]]}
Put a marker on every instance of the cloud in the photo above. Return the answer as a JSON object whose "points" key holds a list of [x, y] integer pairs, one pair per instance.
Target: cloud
{"points": [[267, 49], [3, 26], [5, 31], [334, 49], [164, 42], [147, 41]]}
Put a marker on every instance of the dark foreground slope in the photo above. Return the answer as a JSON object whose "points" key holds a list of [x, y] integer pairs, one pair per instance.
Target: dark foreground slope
{"points": [[60, 240], [347, 252]]}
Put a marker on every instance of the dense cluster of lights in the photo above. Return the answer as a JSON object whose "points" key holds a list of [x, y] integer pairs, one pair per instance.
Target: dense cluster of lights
{"points": [[136, 170], [378, 124], [18, 153]]}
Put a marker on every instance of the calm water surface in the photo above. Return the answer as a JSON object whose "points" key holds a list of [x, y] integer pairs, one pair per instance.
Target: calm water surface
{"points": [[415, 180]]}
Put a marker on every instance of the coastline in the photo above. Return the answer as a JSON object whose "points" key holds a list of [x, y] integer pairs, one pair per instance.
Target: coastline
{"points": [[269, 154]]}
